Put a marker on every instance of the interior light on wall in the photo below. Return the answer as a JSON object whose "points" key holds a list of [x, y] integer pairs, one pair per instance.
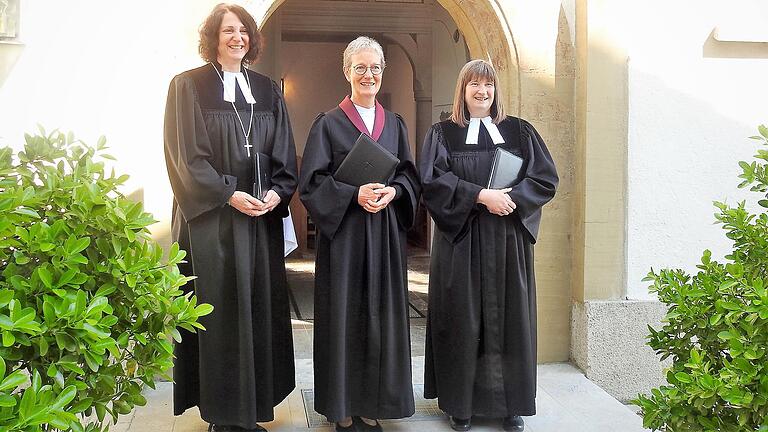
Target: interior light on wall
{"points": [[282, 86]]}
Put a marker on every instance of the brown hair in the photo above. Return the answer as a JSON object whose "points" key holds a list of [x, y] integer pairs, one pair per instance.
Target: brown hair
{"points": [[209, 33], [474, 70]]}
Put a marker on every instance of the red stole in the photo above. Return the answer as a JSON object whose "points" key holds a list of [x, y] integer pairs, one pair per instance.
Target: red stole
{"points": [[351, 112]]}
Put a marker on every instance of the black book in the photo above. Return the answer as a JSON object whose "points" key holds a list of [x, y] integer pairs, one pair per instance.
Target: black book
{"points": [[505, 169], [367, 162], [262, 175]]}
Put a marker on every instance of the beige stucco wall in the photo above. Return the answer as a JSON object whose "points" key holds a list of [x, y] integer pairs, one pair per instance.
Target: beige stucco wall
{"points": [[542, 35]]}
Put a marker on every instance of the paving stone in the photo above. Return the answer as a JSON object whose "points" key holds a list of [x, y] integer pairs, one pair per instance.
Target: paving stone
{"points": [[566, 401]]}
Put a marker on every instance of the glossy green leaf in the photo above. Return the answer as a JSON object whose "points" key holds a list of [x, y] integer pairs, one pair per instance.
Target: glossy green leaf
{"points": [[13, 380], [80, 266], [45, 276], [7, 401], [64, 398]]}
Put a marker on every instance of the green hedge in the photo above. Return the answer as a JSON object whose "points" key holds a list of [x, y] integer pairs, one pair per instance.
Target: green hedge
{"points": [[88, 305], [716, 329]]}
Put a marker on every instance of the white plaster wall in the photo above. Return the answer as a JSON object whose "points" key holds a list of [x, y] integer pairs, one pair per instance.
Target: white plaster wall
{"points": [[689, 119], [103, 68]]}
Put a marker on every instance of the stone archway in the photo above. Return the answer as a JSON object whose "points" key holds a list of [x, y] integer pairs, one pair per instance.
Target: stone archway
{"points": [[486, 28], [493, 42], [483, 24]]}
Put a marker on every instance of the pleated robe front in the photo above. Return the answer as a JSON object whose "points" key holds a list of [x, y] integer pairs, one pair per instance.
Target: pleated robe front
{"points": [[362, 359], [481, 329], [241, 366]]}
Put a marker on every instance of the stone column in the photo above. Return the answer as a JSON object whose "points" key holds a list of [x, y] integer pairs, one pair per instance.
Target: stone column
{"points": [[607, 330], [423, 117]]}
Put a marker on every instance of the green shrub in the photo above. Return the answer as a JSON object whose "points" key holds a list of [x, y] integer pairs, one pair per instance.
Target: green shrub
{"points": [[87, 303], [716, 328]]}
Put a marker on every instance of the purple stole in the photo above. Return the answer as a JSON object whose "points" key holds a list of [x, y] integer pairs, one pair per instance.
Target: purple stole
{"points": [[351, 112]]}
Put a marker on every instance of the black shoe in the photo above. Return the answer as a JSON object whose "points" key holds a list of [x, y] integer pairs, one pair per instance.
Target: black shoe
{"points": [[365, 427], [513, 423], [459, 424], [351, 428], [224, 428]]}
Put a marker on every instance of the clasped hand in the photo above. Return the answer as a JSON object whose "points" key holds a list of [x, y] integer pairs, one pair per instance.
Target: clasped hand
{"points": [[497, 201], [374, 197], [248, 204]]}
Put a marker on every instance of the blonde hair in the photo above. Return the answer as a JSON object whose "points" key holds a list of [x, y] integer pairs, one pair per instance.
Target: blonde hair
{"points": [[475, 70], [360, 44]]}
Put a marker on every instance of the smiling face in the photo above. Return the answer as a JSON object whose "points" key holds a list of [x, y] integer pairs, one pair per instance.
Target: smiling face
{"points": [[233, 39], [478, 95], [366, 86]]}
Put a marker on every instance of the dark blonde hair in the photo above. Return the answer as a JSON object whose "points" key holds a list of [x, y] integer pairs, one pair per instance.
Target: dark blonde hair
{"points": [[475, 70], [209, 33]]}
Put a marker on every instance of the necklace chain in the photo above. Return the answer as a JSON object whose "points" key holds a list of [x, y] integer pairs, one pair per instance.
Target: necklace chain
{"points": [[247, 133]]}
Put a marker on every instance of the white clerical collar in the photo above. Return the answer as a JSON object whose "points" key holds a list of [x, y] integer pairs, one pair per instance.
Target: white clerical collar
{"points": [[367, 114], [473, 131], [229, 87]]}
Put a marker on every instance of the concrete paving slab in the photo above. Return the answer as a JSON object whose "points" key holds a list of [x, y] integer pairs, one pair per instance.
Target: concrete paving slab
{"points": [[566, 401]]}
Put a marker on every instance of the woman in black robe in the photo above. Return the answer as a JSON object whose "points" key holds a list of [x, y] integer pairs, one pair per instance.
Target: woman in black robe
{"points": [[362, 357], [481, 327], [217, 117]]}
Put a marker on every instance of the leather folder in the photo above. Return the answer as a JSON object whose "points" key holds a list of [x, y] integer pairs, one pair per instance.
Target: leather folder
{"points": [[367, 162], [505, 169], [262, 175]]}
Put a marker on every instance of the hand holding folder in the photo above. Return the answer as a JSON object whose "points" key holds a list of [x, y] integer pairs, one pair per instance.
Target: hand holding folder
{"points": [[367, 162], [505, 169]]}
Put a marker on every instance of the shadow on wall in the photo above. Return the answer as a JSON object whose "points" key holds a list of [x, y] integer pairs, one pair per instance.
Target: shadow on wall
{"points": [[9, 55], [716, 48]]}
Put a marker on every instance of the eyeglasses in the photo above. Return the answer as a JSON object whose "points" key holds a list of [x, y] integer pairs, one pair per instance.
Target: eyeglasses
{"points": [[362, 69]]}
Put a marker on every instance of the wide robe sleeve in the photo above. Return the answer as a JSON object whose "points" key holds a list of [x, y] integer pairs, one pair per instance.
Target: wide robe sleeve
{"points": [[539, 184], [406, 179], [197, 186], [449, 199], [283, 157], [326, 199]]}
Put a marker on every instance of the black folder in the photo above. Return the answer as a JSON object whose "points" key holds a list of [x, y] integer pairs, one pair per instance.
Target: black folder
{"points": [[505, 169], [262, 175], [367, 162]]}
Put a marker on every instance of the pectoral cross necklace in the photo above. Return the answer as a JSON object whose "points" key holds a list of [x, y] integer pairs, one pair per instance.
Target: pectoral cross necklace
{"points": [[246, 133]]}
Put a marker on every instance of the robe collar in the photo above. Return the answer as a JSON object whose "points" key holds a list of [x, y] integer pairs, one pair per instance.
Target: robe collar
{"points": [[351, 112], [473, 130], [230, 79]]}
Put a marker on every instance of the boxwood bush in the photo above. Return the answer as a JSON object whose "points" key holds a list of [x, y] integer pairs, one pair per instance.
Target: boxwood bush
{"points": [[88, 304], [716, 328]]}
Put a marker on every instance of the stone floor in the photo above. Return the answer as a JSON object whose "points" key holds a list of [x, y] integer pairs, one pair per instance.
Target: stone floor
{"points": [[566, 400]]}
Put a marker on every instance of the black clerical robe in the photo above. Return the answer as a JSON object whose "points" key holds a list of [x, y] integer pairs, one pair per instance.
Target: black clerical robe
{"points": [[362, 358], [242, 365], [481, 329]]}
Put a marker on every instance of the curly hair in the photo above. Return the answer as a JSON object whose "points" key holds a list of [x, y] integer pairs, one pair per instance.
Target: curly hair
{"points": [[209, 33]]}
